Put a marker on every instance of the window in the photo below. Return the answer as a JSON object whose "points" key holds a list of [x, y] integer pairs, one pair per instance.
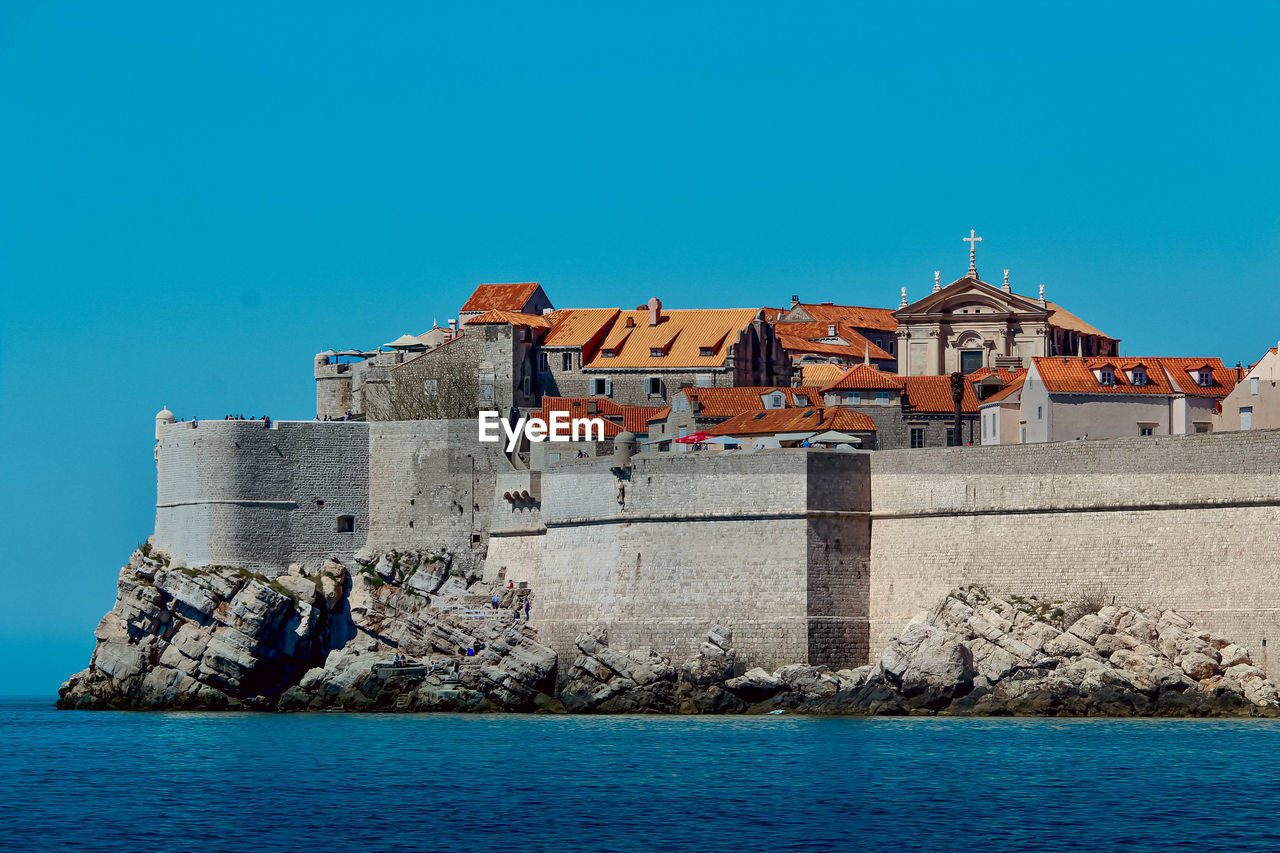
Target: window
{"points": [[970, 360], [1202, 428], [774, 400], [553, 458], [1146, 430], [346, 524], [801, 399], [1138, 376], [1039, 413], [951, 437], [1204, 378], [608, 353], [1024, 435], [431, 386], [566, 361], [882, 398], [1246, 417], [486, 387], [543, 364], [684, 404], [852, 398], [653, 386], [655, 352], [831, 330], [1253, 386], [1107, 376], [601, 387], [706, 352], [703, 380], [917, 436]]}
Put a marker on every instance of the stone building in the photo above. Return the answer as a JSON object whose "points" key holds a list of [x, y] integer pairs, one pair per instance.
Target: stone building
{"points": [[1066, 398], [1254, 403], [813, 333], [490, 365], [643, 357], [829, 425], [970, 324]]}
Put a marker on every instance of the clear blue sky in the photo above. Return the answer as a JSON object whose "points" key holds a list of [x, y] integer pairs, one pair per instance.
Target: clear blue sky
{"points": [[197, 199]]}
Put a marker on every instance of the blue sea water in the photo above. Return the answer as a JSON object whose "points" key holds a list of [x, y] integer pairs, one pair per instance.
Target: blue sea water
{"points": [[317, 782]]}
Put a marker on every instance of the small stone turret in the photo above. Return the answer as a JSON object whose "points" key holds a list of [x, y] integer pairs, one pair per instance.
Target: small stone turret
{"points": [[624, 447], [163, 418]]}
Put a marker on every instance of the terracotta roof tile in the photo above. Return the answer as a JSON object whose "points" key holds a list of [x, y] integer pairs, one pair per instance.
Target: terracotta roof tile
{"points": [[731, 401], [1074, 375], [856, 316], [856, 348], [1181, 369], [932, 395], [820, 375], [806, 419], [681, 335], [502, 297], [578, 327], [631, 418], [864, 377], [510, 318]]}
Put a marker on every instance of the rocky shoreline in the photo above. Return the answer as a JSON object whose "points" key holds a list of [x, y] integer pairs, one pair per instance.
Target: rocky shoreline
{"points": [[223, 639]]}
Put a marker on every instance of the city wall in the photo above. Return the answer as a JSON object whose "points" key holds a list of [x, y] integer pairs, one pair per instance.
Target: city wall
{"points": [[1188, 522], [773, 544], [239, 493]]}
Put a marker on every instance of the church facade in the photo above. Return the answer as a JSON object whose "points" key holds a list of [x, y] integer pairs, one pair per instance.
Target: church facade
{"points": [[970, 324]]}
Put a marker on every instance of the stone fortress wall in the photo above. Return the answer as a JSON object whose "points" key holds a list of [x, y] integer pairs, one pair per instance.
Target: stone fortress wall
{"points": [[1187, 522], [817, 556], [241, 494]]}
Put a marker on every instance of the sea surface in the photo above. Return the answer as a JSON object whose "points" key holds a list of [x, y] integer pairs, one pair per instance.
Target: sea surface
{"points": [[132, 782]]}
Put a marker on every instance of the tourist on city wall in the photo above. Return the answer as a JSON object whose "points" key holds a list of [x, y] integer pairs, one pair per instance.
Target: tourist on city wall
{"points": [[526, 610], [495, 601]]}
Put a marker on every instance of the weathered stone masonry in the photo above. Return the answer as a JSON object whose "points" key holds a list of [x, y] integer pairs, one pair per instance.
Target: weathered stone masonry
{"points": [[816, 556]]}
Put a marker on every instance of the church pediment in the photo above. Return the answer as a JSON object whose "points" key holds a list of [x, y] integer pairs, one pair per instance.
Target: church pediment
{"points": [[971, 296]]}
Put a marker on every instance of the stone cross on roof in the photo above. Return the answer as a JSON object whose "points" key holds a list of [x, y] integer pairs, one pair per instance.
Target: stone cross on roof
{"points": [[973, 240]]}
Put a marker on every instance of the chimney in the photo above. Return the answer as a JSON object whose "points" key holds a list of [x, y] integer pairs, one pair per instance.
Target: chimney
{"points": [[453, 325], [546, 311], [795, 300], [631, 322], [655, 311]]}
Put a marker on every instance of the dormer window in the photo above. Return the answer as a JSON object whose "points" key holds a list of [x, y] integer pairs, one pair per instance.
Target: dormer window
{"points": [[608, 353], [1138, 376], [655, 352], [801, 399], [706, 352], [1106, 376], [1204, 378], [831, 330], [774, 400]]}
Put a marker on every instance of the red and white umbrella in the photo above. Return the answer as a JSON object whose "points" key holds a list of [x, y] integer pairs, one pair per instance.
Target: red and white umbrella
{"points": [[696, 438]]}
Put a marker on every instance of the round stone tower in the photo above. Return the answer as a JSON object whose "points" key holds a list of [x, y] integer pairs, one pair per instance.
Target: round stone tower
{"points": [[163, 418]]}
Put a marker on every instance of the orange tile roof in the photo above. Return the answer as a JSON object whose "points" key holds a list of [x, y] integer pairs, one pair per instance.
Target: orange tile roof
{"points": [[820, 375], [681, 334], [811, 419], [734, 400], [932, 395], [1004, 374], [633, 418], [864, 377], [503, 297], [510, 318], [858, 346], [1179, 369], [1064, 319], [856, 316], [611, 429], [1014, 386], [578, 327], [1074, 375]]}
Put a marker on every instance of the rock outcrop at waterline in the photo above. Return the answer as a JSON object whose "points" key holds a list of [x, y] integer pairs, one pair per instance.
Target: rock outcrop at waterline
{"points": [[227, 638]]}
